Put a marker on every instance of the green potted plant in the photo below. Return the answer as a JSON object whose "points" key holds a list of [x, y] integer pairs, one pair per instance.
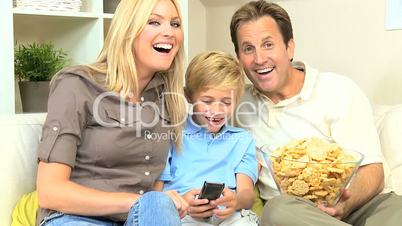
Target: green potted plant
{"points": [[34, 66]]}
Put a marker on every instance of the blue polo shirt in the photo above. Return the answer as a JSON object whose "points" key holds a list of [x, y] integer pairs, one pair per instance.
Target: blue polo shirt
{"points": [[204, 157]]}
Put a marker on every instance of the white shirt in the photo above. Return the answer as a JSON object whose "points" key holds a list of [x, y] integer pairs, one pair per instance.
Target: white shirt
{"points": [[329, 106]]}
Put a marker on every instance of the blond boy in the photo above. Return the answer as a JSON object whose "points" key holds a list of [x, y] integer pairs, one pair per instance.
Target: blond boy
{"points": [[212, 150]]}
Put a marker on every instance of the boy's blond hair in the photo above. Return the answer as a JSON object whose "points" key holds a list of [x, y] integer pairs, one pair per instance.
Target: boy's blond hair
{"points": [[217, 70]]}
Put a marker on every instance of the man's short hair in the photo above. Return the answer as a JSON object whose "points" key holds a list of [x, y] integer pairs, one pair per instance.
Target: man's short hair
{"points": [[257, 9]]}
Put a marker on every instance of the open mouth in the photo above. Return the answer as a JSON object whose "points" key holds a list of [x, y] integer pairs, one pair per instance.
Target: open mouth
{"points": [[163, 47], [265, 71], [215, 120]]}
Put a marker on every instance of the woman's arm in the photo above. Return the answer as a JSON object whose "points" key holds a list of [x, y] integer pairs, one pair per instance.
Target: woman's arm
{"points": [[180, 203], [158, 185], [57, 192]]}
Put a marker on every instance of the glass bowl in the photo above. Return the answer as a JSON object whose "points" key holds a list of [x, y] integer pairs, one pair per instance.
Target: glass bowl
{"points": [[312, 168]]}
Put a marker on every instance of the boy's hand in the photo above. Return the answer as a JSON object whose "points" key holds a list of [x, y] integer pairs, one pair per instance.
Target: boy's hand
{"points": [[229, 201], [180, 203], [191, 195], [198, 208]]}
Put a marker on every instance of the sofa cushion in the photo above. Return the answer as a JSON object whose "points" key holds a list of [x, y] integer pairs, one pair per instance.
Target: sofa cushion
{"points": [[19, 136], [389, 125], [24, 213]]}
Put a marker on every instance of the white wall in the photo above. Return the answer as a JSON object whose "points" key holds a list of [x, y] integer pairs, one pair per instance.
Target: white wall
{"points": [[184, 10], [197, 28], [343, 36], [6, 60]]}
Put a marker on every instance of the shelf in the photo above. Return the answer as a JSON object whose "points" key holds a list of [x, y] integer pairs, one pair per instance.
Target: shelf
{"points": [[81, 37], [108, 15], [109, 6], [106, 26], [80, 34], [55, 13]]}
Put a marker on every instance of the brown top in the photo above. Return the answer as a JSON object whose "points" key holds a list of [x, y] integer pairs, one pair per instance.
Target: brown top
{"points": [[110, 144]]}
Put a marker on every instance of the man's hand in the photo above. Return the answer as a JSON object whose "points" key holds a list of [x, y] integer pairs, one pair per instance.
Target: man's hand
{"points": [[371, 178], [198, 208], [341, 209], [229, 201], [180, 203]]}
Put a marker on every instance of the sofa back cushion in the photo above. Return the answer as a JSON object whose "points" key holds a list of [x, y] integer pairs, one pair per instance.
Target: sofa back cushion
{"points": [[19, 136], [389, 124]]}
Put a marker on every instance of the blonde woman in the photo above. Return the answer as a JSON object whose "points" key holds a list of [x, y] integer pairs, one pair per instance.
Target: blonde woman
{"points": [[106, 137]]}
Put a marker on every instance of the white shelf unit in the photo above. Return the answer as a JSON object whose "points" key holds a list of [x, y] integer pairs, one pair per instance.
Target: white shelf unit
{"points": [[81, 37], [81, 34]]}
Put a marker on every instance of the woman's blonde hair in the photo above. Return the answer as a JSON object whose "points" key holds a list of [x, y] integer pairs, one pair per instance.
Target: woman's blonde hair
{"points": [[117, 60], [217, 70]]}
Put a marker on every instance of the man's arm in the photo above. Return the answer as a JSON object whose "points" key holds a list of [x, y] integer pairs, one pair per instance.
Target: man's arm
{"points": [[368, 182], [354, 128]]}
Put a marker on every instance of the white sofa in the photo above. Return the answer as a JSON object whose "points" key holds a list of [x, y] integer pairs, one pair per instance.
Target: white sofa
{"points": [[19, 136]]}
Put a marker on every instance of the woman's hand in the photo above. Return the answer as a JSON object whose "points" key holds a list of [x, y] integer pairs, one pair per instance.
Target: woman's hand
{"points": [[180, 203], [229, 201], [199, 208]]}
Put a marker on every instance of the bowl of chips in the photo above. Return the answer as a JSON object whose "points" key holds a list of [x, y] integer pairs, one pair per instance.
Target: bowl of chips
{"points": [[312, 168]]}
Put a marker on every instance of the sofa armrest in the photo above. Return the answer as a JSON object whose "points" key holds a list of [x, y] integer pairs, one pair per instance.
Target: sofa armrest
{"points": [[19, 137]]}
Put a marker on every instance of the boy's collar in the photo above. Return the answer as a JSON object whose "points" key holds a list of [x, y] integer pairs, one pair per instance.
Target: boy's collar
{"points": [[193, 128]]}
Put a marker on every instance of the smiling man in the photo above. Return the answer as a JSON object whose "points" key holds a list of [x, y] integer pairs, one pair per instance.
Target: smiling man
{"points": [[291, 100]]}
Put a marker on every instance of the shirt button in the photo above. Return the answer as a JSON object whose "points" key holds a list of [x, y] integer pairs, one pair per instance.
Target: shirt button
{"points": [[142, 98], [147, 173], [141, 192], [55, 128], [147, 157]]}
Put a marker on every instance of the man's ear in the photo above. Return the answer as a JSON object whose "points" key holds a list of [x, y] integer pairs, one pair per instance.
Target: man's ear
{"points": [[291, 49]]}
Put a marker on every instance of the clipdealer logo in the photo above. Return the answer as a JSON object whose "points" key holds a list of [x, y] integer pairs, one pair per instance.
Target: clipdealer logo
{"points": [[131, 114]]}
